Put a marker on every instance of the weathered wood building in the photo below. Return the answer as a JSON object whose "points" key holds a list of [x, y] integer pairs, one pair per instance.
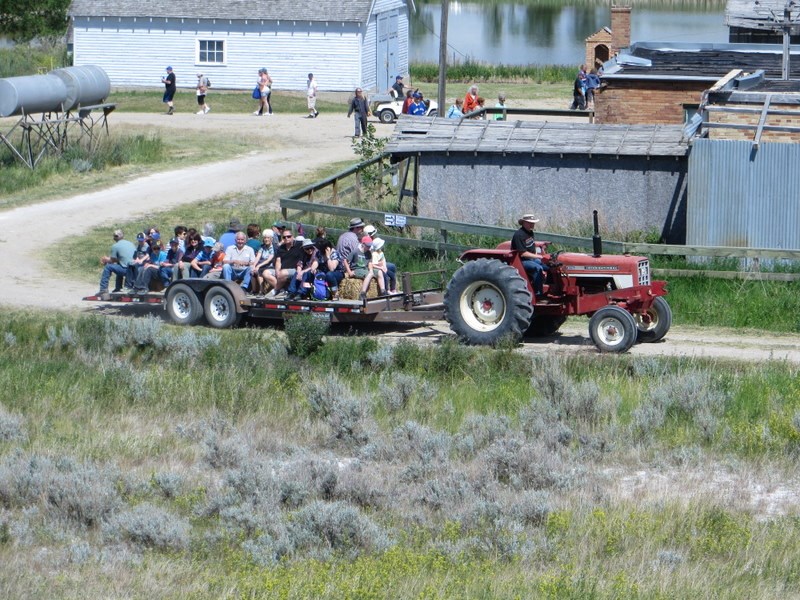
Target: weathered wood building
{"points": [[356, 43], [493, 171], [760, 21]]}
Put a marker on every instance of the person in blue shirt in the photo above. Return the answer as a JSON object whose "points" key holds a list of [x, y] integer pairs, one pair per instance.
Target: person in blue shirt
{"points": [[454, 112], [417, 108], [592, 83]]}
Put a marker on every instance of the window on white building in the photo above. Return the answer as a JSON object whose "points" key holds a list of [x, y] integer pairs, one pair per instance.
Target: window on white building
{"points": [[210, 51]]}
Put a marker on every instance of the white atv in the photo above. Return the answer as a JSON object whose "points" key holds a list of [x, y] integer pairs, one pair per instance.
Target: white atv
{"points": [[387, 107]]}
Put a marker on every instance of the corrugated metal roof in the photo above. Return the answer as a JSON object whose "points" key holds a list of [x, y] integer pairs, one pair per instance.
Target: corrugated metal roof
{"points": [[429, 134], [273, 10]]}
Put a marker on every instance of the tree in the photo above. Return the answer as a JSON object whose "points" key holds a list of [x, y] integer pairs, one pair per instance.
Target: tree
{"points": [[23, 21]]}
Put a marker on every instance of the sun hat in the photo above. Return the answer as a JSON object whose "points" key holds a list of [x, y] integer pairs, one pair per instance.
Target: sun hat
{"points": [[356, 223], [366, 240], [299, 238], [174, 241], [377, 244], [370, 230], [209, 241], [118, 233], [307, 244], [235, 223], [528, 218]]}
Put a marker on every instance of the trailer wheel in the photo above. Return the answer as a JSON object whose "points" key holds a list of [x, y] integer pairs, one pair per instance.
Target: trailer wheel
{"points": [[182, 304], [487, 300], [544, 325], [386, 116], [655, 322], [220, 309], [612, 329]]}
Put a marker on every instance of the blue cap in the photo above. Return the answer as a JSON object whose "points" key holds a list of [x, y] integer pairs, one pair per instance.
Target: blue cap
{"points": [[399, 77], [169, 68], [416, 95], [209, 241]]}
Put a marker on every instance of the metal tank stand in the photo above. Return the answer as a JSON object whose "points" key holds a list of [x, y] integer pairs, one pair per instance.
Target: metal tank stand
{"points": [[30, 139]]}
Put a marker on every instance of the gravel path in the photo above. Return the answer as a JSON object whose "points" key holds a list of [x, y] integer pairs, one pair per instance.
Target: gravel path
{"points": [[293, 145]]}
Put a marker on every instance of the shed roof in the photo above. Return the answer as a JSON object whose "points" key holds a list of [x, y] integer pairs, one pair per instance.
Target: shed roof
{"points": [[675, 60], [414, 135], [760, 14], [601, 35], [272, 10]]}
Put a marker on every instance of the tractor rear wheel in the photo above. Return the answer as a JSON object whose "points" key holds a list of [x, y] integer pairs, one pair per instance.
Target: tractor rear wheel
{"points": [[544, 325], [487, 300], [612, 329], [655, 322]]}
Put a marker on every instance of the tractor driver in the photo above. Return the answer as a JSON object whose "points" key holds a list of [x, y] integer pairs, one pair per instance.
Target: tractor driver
{"points": [[531, 262]]}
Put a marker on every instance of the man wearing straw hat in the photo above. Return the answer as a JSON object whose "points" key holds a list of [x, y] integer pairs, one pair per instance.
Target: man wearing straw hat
{"points": [[523, 242]]}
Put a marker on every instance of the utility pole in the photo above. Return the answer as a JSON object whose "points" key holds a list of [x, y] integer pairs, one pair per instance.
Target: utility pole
{"points": [[442, 92]]}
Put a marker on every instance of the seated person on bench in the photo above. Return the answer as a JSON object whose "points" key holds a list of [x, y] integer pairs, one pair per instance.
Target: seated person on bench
{"points": [[523, 242]]}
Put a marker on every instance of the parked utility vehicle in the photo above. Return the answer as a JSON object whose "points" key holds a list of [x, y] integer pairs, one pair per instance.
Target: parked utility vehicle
{"points": [[388, 109], [490, 297]]}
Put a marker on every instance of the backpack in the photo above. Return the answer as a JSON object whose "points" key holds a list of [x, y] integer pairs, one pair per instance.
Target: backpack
{"points": [[320, 287], [208, 82]]}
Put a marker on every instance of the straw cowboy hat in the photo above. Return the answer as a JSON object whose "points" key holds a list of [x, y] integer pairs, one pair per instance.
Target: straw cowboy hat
{"points": [[527, 218]]}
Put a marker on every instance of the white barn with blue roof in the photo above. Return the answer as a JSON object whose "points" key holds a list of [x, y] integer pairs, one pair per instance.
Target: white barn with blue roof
{"points": [[345, 44]]}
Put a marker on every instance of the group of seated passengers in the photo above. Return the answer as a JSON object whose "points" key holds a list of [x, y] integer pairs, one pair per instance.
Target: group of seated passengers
{"points": [[272, 264]]}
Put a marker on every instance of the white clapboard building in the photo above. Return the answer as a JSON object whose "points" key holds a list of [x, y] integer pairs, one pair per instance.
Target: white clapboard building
{"points": [[345, 44]]}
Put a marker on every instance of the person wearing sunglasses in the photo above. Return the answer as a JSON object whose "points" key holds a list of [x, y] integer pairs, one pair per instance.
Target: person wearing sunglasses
{"points": [[288, 254]]}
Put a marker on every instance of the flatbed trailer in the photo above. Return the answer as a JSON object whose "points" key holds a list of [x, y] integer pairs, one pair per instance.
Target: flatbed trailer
{"points": [[224, 303]]}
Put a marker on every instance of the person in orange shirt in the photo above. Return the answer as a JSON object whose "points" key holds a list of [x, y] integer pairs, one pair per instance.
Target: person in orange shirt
{"points": [[471, 100]]}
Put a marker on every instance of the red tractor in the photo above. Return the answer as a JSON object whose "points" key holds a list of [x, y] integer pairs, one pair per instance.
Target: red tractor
{"points": [[490, 297]]}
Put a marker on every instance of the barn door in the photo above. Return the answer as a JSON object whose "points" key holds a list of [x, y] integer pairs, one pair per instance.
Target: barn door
{"points": [[382, 55], [392, 52], [388, 50]]}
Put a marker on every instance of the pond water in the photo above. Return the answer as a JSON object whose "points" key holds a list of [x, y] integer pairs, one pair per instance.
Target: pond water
{"points": [[551, 33]]}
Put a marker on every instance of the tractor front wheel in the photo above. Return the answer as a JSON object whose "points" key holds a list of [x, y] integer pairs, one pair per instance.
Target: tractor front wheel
{"points": [[654, 323], [612, 329], [487, 300]]}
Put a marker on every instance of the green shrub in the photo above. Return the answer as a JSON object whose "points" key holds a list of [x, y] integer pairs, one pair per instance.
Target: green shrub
{"points": [[305, 333]]}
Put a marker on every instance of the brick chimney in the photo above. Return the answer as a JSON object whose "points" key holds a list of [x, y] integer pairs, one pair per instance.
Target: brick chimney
{"points": [[620, 28]]}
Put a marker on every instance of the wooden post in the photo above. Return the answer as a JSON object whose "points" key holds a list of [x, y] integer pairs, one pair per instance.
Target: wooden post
{"points": [[440, 98]]}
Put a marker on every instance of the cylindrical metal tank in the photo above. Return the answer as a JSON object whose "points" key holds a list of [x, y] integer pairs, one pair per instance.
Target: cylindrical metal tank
{"points": [[86, 85], [31, 94]]}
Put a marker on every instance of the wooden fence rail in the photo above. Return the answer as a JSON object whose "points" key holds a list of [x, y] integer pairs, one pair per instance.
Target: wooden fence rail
{"points": [[308, 201]]}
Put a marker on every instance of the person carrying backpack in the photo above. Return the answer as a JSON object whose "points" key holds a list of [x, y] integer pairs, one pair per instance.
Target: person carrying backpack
{"points": [[202, 89]]}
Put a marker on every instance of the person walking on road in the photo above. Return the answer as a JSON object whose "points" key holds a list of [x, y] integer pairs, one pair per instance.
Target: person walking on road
{"points": [[311, 96], [169, 90], [202, 89], [360, 111]]}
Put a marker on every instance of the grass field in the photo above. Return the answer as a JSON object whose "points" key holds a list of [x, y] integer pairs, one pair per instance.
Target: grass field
{"points": [[142, 460]]}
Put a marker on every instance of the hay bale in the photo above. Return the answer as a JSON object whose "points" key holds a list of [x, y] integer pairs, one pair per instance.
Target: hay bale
{"points": [[350, 289]]}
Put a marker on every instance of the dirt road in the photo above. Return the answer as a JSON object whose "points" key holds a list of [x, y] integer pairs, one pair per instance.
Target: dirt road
{"points": [[292, 145]]}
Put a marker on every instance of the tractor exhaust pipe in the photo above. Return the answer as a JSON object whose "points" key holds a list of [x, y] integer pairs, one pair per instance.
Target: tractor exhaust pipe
{"points": [[597, 242]]}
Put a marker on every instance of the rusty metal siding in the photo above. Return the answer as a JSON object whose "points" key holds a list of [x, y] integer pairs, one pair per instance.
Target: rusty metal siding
{"points": [[742, 196]]}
